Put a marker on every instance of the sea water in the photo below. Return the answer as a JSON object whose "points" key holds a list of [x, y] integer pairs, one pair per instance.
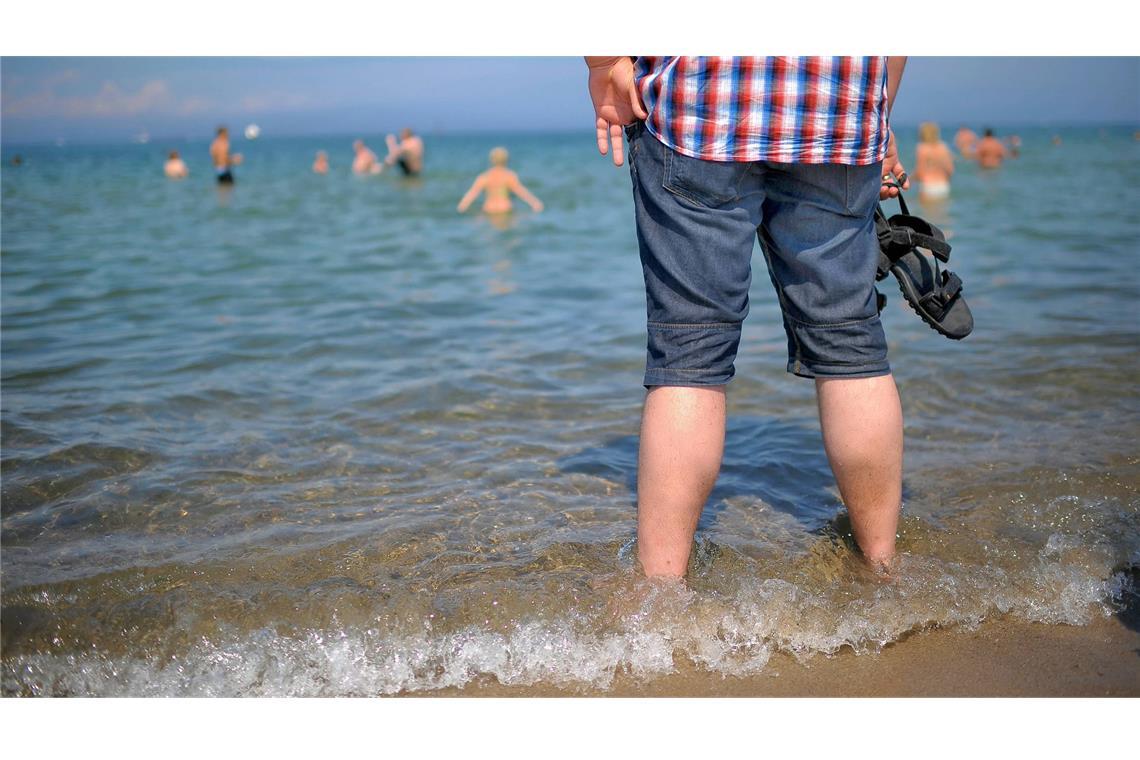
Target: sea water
{"points": [[322, 435]]}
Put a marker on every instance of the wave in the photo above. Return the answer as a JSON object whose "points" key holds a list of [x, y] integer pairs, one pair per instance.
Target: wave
{"points": [[629, 627]]}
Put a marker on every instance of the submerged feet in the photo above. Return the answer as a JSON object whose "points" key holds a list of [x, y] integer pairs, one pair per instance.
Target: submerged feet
{"points": [[882, 570]]}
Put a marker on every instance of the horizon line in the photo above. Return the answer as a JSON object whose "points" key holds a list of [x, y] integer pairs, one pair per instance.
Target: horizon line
{"points": [[289, 134]]}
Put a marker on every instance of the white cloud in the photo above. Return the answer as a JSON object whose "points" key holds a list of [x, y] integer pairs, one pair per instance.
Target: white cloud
{"points": [[110, 100], [193, 105], [50, 81], [276, 101]]}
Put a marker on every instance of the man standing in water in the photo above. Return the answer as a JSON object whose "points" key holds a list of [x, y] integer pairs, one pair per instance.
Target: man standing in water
{"points": [[794, 150], [364, 160], [407, 152], [321, 163], [990, 152], [175, 167], [220, 155]]}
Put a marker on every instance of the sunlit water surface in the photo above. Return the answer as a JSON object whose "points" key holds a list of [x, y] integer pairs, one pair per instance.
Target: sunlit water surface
{"points": [[325, 436]]}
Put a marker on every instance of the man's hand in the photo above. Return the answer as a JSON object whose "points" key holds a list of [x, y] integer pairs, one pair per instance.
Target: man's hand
{"points": [[616, 101], [893, 170]]}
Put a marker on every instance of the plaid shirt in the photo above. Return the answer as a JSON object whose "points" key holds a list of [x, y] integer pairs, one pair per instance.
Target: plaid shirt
{"points": [[788, 110]]}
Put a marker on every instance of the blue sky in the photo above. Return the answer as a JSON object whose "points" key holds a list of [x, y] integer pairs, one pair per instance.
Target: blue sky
{"points": [[115, 98]]}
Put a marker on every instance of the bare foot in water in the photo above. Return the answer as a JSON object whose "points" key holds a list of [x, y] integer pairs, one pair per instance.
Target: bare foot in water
{"points": [[882, 570]]}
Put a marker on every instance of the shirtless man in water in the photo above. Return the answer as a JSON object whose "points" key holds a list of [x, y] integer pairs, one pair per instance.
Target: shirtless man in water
{"points": [[498, 183], [175, 167], [990, 152], [408, 152], [365, 161], [933, 163], [321, 163], [220, 155]]}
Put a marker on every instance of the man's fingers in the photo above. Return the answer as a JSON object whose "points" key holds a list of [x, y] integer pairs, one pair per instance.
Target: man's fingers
{"points": [[893, 171], [896, 174], [619, 146], [899, 172], [610, 134], [603, 137]]}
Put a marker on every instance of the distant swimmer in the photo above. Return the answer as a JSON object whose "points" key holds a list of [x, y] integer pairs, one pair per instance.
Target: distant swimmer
{"points": [[17, 160], [223, 160], [933, 163], [990, 152], [964, 141], [1014, 142], [175, 167], [321, 164], [407, 152], [498, 183], [365, 161]]}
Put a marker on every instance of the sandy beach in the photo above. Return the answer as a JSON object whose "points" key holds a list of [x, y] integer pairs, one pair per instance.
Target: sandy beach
{"points": [[1001, 658]]}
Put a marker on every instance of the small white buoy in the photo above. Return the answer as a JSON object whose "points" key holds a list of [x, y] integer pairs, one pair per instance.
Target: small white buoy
{"points": [[252, 131]]}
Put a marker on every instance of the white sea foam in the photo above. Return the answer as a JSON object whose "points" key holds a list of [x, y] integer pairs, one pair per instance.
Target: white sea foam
{"points": [[725, 634]]}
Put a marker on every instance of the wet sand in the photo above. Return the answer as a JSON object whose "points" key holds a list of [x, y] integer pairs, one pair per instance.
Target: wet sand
{"points": [[1006, 657]]}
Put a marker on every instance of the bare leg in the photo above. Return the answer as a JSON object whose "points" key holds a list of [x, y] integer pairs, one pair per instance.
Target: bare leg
{"points": [[862, 433], [682, 441]]}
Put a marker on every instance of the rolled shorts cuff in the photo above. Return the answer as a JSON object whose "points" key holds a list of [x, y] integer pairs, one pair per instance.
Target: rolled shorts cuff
{"points": [[686, 378], [821, 369], [691, 355], [851, 349]]}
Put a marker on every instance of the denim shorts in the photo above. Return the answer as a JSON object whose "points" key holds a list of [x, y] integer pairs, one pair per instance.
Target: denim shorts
{"points": [[695, 222]]}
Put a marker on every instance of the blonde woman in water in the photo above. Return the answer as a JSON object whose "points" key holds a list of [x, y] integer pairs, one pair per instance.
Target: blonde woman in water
{"points": [[498, 183], [933, 163]]}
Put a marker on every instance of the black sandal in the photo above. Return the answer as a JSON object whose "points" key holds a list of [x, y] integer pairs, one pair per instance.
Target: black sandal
{"points": [[935, 294]]}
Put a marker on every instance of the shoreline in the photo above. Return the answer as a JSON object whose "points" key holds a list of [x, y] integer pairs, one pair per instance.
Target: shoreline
{"points": [[1003, 657]]}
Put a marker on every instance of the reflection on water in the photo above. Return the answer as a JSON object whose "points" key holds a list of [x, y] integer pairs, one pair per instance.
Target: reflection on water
{"points": [[225, 192], [937, 211], [330, 437], [501, 221]]}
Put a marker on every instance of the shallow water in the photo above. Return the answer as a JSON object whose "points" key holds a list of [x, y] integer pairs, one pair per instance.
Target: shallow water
{"points": [[324, 436]]}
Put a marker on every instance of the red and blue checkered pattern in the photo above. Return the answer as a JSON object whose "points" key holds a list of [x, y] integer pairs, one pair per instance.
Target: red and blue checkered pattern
{"points": [[806, 110]]}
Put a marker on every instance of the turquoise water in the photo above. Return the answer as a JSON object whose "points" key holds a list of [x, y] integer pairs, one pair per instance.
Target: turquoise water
{"points": [[323, 435]]}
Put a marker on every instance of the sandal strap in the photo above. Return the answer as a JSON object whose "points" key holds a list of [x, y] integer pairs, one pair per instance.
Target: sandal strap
{"points": [[907, 238], [944, 292], [895, 242], [896, 238], [903, 235], [951, 285], [899, 197]]}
